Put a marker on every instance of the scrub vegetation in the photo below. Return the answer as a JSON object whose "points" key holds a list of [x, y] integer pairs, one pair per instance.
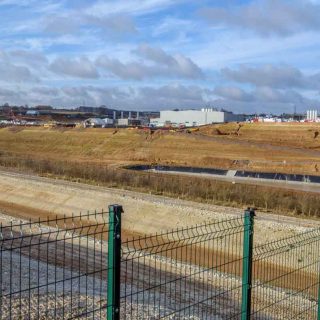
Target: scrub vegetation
{"points": [[197, 189]]}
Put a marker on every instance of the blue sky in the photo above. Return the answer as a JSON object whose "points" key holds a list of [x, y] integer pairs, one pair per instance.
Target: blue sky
{"points": [[246, 56]]}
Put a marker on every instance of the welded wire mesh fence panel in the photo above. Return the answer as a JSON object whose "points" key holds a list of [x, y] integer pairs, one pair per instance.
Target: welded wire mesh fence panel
{"points": [[189, 273], [54, 268], [286, 277]]}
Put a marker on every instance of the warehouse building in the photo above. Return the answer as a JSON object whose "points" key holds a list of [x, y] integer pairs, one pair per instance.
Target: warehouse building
{"points": [[193, 118], [126, 122]]}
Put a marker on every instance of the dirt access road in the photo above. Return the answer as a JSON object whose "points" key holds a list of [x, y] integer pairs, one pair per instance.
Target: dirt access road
{"points": [[27, 196]]}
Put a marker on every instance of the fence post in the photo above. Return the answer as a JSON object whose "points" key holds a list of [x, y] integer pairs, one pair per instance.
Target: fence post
{"points": [[114, 264], [247, 264]]}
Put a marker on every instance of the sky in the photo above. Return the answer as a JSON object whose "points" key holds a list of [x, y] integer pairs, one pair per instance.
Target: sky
{"points": [[244, 56]]}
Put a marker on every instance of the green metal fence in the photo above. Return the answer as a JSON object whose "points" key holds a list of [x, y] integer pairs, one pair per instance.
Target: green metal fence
{"points": [[212, 271], [54, 268], [286, 277]]}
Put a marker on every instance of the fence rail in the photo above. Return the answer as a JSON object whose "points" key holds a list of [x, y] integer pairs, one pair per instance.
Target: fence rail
{"points": [[79, 267], [215, 271], [54, 268], [170, 274]]}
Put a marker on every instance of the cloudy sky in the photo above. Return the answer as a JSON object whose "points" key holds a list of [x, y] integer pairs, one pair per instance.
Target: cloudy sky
{"points": [[247, 56]]}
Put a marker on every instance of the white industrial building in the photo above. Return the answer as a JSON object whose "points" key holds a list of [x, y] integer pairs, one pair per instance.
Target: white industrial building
{"points": [[125, 122], [193, 118], [312, 115]]}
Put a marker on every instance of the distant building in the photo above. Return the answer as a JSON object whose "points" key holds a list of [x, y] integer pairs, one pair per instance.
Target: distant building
{"points": [[94, 123], [41, 107], [98, 110], [97, 123], [128, 122], [266, 119], [33, 113], [312, 115], [193, 118], [108, 121]]}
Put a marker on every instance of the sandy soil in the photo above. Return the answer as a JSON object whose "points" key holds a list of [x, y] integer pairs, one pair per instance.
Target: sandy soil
{"points": [[30, 196]]}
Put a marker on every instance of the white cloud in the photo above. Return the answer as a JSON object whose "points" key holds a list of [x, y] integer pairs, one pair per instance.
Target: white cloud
{"points": [[233, 93], [144, 98], [12, 72], [275, 76], [268, 17], [263, 99], [61, 24], [28, 57], [113, 23], [15, 73], [175, 25], [79, 68], [130, 70], [16, 2], [162, 65], [169, 96], [156, 55], [136, 7], [73, 22]]}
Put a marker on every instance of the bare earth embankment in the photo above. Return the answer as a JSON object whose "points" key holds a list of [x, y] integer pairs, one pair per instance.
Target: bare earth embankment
{"points": [[288, 148]]}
